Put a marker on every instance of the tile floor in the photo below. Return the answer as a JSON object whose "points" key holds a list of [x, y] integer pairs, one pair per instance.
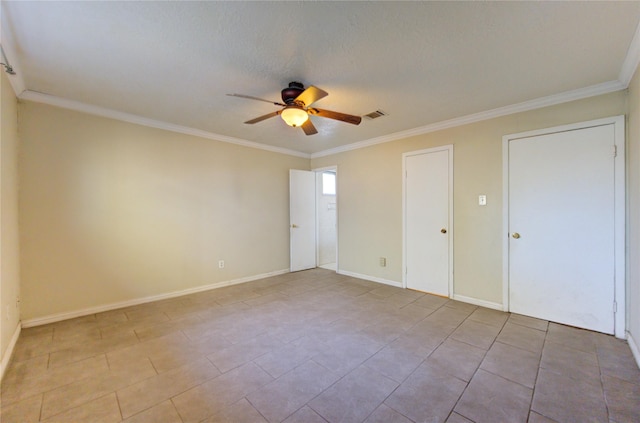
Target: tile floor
{"points": [[315, 346]]}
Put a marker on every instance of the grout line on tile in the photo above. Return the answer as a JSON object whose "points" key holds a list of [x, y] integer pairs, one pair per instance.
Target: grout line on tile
{"points": [[119, 407], [153, 366], [535, 380], [246, 397], [176, 408], [604, 393], [41, 406]]}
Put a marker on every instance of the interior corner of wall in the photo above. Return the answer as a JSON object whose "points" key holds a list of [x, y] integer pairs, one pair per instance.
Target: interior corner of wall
{"points": [[635, 348], [8, 352]]}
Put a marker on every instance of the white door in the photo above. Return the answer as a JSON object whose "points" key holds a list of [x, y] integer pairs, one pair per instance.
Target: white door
{"points": [[302, 219], [561, 227], [427, 230], [326, 218]]}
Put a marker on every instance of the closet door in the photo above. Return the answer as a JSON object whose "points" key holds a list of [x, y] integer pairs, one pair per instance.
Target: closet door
{"points": [[561, 209], [427, 231]]}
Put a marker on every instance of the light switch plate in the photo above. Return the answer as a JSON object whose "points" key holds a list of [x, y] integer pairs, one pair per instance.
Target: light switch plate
{"points": [[482, 200]]}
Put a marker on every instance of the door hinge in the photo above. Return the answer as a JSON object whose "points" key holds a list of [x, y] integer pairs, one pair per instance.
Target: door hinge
{"points": [[615, 307], [615, 151]]}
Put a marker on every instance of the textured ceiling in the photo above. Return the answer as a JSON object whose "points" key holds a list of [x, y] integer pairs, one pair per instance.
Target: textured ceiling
{"points": [[420, 62]]}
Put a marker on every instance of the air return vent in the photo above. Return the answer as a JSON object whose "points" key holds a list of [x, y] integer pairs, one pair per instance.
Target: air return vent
{"points": [[375, 115]]}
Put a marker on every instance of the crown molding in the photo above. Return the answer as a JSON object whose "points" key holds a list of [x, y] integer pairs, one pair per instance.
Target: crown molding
{"points": [[632, 60], [594, 90], [77, 106]]}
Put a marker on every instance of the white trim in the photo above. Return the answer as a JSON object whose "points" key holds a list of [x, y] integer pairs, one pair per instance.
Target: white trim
{"points": [[38, 321], [326, 168], [620, 241], [478, 302], [567, 96], [152, 123], [618, 123], [635, 348], [8, 353], [370, 278], [449, 149], [505, 223], [329, 266], [631, 60]]}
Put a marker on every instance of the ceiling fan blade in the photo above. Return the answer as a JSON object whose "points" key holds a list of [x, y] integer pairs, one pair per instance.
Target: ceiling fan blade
{"points": [[263, 117], [308, 128], [354, 120], [311, 95], [256, 98]]}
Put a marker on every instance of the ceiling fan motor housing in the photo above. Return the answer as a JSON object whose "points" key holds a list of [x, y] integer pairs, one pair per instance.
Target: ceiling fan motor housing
{"points": [[290, 93]]}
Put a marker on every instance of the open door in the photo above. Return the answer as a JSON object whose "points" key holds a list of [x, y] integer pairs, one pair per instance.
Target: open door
{"points": [[302, 219]]}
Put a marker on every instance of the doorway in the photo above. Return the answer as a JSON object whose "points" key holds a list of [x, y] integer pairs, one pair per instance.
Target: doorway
{"points": [[327, 218], [565, 225], [313, 212]]}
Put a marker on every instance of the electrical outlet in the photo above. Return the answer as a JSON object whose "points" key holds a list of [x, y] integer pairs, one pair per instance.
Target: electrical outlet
{"points": [[220, 264], [383, 262]]}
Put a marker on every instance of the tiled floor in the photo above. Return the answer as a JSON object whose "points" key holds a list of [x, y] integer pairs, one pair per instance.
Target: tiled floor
{"points": [[313, 347]]}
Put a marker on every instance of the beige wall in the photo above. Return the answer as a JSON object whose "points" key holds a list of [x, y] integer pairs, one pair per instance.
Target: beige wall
{"points": [[370, 195], [112, 211], [633, 230], [9, 240]]}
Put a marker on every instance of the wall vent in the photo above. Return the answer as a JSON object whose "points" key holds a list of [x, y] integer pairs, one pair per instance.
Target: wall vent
{"points": [[375, 115]]}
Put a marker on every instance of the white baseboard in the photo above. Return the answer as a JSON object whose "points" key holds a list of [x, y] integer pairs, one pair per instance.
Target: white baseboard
{"points": [[470, 300], [38, 321], [328, 266], [481, 303], [635, 348], [370, 278], [6, 358]]}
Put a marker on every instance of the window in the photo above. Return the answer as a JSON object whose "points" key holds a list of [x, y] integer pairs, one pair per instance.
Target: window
{"points": [[328, 183]]}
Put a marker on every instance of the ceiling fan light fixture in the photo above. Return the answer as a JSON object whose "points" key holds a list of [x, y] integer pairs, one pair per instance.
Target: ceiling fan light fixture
{"points": [[296, 108], [294, 115]]}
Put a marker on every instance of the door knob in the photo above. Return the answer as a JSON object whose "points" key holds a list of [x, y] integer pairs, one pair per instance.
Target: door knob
{"points": [[516, 235], [443, 230], [293, 225]]}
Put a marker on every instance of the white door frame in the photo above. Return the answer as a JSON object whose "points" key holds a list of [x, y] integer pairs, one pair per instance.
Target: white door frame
{"points": [[448, 148], [618, 123], [319, 171]]}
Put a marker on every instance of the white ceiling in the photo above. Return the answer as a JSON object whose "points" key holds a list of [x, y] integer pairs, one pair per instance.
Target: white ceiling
{"points": [[172, 63]]}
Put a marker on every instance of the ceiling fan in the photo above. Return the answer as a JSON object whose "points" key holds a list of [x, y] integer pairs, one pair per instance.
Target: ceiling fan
{"points": [[296, 108]]}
